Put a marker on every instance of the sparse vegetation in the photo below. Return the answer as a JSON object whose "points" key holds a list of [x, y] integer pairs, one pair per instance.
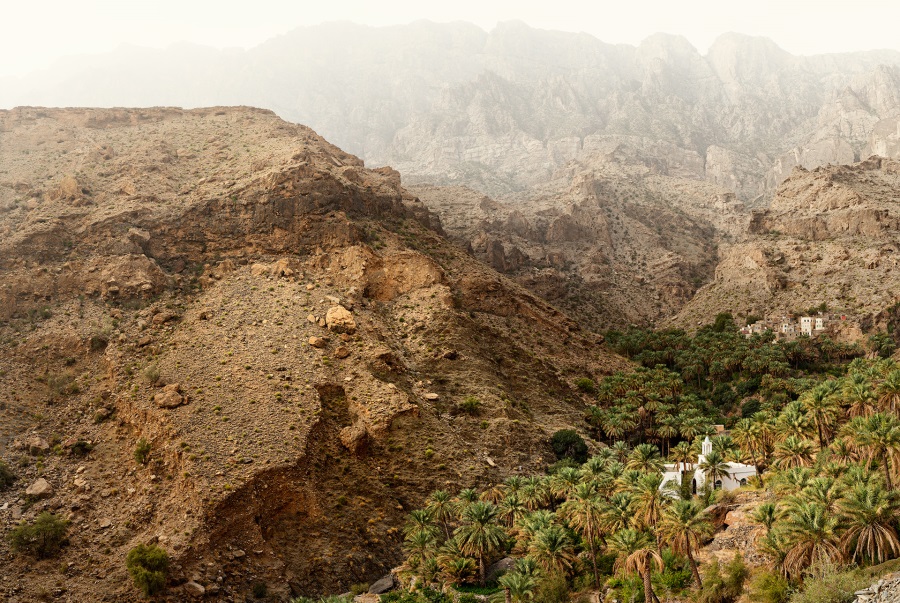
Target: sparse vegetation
{"points": [[142, 451], [567, 444], [41, 539], [148, 566], [7, 476], [470, 405], [151, 374]]}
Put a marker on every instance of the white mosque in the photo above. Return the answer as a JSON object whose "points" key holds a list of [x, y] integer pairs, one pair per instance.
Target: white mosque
{"points": [[737, 476]]}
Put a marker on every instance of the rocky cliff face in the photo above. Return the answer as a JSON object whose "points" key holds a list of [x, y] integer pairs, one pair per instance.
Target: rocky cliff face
{"points": [[289, 331], [611, 241], [830, 236], [500, 112]]}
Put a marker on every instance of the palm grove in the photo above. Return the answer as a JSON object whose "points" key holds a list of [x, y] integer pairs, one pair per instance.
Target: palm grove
{"points": [[819, 421]]}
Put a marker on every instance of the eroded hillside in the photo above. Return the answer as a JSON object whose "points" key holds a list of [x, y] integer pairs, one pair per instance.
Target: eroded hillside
{"points": [[611, 241], [290, 332], [830, 236]]}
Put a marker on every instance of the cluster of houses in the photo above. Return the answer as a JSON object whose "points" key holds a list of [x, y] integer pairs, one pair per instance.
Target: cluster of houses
{"points": [[786, 329]]}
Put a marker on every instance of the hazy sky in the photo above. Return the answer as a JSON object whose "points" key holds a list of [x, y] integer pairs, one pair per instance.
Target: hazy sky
{"points": [[35, 33]]}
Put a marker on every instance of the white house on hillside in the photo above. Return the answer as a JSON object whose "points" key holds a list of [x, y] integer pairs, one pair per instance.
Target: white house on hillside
{"points": [[738, 473]]}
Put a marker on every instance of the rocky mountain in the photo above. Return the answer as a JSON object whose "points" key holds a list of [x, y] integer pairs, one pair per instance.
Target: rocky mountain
{"points": [[611, 241], [831, 236], [287, 336], [501, 111]]}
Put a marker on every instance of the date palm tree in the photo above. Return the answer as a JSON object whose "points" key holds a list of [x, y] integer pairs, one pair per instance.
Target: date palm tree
{"points": [[480, 535], [794, 452], [824, 491], [530, 525], [635, 553], [684, 525], [564, 481], [465, 498], [511, 510], [419, 547], [457, 571], [553, 550], [813, 537], [843, 451], [646, 458], [714, 467], [443, 510], [683, 455], [821, 408], [793, 422], [889, 393], [859, 396], [621, 450], [870, 513], [533, 494], [618, 512], [766, 515], [420, 520], [584, 512], [649, 499], [879, 436], [517, 588]]}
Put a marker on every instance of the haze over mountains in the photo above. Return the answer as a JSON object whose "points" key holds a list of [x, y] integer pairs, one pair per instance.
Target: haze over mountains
{"points": [[617, 176], [501, 110]]}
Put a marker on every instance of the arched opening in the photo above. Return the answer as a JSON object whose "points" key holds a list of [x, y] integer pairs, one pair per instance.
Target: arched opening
{"points": [[693, 486], [743, 481], [718, 485]]}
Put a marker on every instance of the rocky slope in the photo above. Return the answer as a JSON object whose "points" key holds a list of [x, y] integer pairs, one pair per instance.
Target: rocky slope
{"points": [[289, 331], [830, 236], [610, 240], [500, 111]]}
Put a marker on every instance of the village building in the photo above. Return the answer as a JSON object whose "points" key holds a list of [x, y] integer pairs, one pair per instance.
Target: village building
{"points": [[738, 474]]}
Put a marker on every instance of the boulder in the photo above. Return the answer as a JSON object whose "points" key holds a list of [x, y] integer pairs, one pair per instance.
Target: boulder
{"points": [[382, 585], [259, 269], [194, 589], [341, 352], [495, 570], [164, 317], [282, 269], [340, 320], [40, 489], [317, 342], [735, 517], [37, 445], [170, 397], [431, 396]]}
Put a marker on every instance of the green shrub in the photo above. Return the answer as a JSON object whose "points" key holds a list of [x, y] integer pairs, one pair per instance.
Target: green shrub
{"points": [[7, 477], [98, 342], [568, 444], [769, 587], [81, 448], [142, 451], [831, 586], [586, 385], [148, 565], [470, 405], [359, 589], [552, 588], [151, 374], [41, 539], [562, 464]]}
